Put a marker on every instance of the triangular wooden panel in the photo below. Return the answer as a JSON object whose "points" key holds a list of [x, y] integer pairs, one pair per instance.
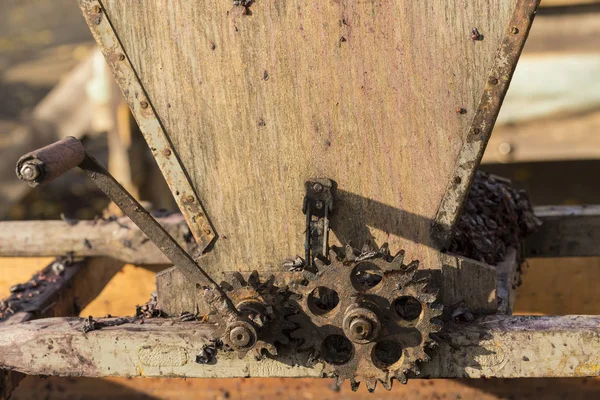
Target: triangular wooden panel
{"points": [[377, 95]]}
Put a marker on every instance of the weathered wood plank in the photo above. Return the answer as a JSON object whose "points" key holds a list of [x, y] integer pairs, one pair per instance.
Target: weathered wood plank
{"points": [[256, 104], [567, 231], [491, 347], [82, 283], [120, 239]]}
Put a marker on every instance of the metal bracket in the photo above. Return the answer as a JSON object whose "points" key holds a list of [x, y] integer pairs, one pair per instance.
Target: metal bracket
{"points": [[317, 205]]}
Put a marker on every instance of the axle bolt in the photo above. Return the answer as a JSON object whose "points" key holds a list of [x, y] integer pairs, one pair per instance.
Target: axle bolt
{"points": [[30, 172]]}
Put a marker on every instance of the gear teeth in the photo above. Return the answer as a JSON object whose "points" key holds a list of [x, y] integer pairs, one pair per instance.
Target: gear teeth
{"points": [[254, 280], [384, 250], [226, 286], [398, 259], [354, 385], [401, 377], [387, 383], [349, 254], [239, 279], [371, 384]]}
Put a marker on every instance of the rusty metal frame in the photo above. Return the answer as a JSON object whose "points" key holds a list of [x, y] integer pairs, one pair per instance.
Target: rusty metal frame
{"points": [[478, 135], [171, 167]]}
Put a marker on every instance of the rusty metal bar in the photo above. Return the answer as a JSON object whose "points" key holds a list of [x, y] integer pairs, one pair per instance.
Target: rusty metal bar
{"points": [[566, 231], [479, 133], [133, 209], [495, 346], [149, 226], [149, 123]]}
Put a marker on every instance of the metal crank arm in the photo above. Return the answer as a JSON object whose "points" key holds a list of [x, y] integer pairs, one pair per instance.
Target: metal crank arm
{"points": [[50, 162]]}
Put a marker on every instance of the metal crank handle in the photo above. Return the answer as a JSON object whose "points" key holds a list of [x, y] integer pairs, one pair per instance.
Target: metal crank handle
{"points": [[50, 162]]}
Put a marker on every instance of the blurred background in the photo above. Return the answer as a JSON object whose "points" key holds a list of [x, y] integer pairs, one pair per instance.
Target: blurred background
{"points": [[54, 83]]}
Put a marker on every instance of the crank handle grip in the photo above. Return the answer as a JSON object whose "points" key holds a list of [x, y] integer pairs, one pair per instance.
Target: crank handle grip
{"points": [[48, 163]]}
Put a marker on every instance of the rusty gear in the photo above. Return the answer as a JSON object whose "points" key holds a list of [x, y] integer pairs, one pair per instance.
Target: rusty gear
{"points": [[367, 318], [263, 307]]}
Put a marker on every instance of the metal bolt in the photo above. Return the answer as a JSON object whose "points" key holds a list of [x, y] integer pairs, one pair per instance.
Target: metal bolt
{"points": [[360, 328], [144, 104], [317, 187], [361, 325], [240, 336], [30, 172], [493, 80]]}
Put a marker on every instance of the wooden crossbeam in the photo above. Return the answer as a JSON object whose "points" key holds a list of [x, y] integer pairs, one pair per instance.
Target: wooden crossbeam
{"points": [[120, 239], [496, 346], [567, 231]]}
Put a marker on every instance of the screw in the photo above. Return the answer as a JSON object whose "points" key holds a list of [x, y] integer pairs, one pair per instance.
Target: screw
{"points": [[30, 172], [361, 328], [240, 337], [144, 104], [166, 152], [317, 187], [121, 57], [514, 30], [189, 199], [493, 80]]}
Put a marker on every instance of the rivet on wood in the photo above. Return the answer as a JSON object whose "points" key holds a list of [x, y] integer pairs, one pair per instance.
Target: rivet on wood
{"points": [[121, 57], [514, 30], [493, 80], [166, 152], [144, 104], [457, 180], [189, 199]]}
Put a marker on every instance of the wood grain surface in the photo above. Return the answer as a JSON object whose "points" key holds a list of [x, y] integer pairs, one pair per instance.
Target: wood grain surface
{"points": [[365, 93]]}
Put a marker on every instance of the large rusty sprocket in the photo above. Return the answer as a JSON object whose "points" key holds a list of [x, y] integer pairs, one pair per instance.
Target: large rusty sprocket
{"points": [[367, 318]]}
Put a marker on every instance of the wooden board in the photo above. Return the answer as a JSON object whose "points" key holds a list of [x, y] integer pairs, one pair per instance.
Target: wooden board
{"points": [[365, 93]]}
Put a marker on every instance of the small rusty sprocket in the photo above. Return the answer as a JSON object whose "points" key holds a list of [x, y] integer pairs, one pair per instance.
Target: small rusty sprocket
{"points": [[367, 318], [263, 303]]}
